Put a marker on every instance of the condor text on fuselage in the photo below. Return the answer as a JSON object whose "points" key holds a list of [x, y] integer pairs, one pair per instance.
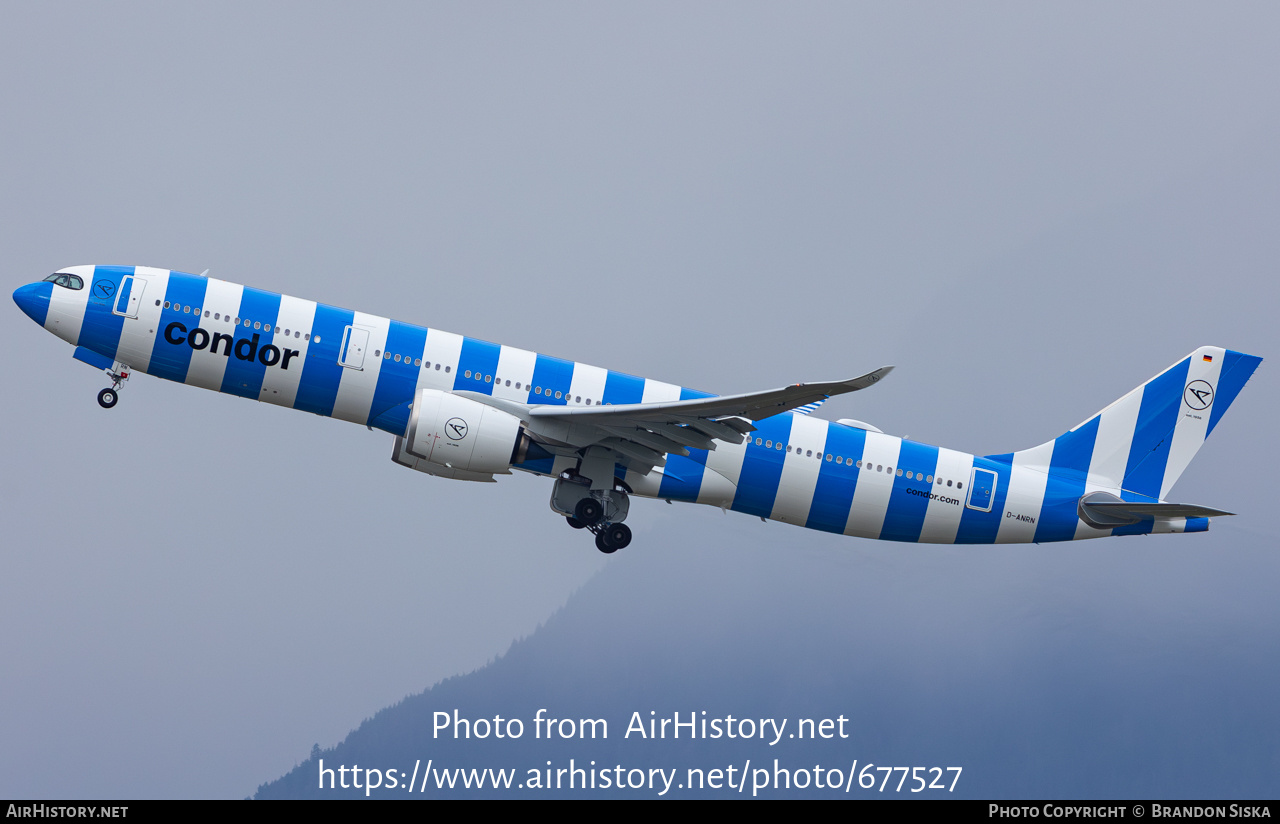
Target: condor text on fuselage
{"points": [[246, 349]]}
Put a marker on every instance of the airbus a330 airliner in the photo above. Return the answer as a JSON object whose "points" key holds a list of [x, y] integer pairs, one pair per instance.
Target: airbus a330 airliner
{"points": [[466, 409]]}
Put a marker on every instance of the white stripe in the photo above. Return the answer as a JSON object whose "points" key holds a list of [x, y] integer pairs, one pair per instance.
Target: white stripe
{"points": [[871, 494], [942, 519], [1193, 424], [280, 386], [67, 306], [657, 391], [206, 369], [587, 382], [724, 468], [443, 349], [138, 336], [1115, 438], [1025, 495], [800, 472], [355, 391], [716, 489], [515, 366]]}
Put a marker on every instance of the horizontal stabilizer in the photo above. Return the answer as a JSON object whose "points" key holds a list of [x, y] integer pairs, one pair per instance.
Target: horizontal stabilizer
{"points": [[1102, 510]]}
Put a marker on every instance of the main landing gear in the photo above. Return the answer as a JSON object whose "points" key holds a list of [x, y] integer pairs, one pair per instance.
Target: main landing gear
{"points": [[600, 511], [119, 373]]}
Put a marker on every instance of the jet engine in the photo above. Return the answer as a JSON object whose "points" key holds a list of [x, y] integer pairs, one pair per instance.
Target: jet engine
{"points": [[459, 438]]}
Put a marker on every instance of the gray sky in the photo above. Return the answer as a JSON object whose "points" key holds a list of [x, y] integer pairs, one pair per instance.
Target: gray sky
{"points": [[1029, 210]]}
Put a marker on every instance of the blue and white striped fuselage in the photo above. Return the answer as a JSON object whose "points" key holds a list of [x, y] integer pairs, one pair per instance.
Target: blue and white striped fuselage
{"points": [[793, 468]]}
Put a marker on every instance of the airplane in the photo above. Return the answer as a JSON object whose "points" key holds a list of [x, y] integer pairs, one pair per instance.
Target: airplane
{"points": [[469, 410]]}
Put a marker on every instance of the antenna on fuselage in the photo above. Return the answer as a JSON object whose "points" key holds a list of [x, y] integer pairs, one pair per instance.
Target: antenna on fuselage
{"points": [[205, 273]]}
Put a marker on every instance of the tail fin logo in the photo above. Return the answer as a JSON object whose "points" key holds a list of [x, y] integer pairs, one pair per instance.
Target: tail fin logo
{"points": [[1198, 395]]}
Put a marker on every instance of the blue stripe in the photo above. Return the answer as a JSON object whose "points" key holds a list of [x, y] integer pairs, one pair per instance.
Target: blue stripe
{"points": [[171, 360], [833, 496], [906, 512], [551, 375], [397, 380], [1196, 525], [762, 467], [321, 373], [693, 394], [101, 328], [1068, 470], [620, 388], [978, 527], [480, 358], [243, 376], [685, 478], [1157, 417], [542, 466], [1236, 370], [92, 358], [34, 299], [1142, 527]]}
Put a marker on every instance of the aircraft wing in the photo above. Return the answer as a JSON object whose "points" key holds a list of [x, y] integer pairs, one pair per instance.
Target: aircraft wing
{"points": [[642, 434], [752, 405]]}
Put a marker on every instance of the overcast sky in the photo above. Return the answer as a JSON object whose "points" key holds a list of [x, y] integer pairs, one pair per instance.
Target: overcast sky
{"points": [[1028, 209]]}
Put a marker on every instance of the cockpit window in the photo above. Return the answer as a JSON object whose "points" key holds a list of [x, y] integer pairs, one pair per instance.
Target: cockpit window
{"points": [[63, 279]]}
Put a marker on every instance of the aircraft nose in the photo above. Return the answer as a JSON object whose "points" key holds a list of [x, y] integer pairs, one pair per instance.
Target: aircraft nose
{"points": [[33, 299]]}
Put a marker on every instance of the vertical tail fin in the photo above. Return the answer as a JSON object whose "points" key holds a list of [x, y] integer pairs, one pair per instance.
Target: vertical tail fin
{"points": [[1142, 442]]}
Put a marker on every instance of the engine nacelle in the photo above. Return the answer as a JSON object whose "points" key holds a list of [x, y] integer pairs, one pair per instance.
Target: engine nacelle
{"points": [[465, 439]]}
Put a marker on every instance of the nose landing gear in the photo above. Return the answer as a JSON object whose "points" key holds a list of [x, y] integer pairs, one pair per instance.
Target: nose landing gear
{"points": [[119, 373]]}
